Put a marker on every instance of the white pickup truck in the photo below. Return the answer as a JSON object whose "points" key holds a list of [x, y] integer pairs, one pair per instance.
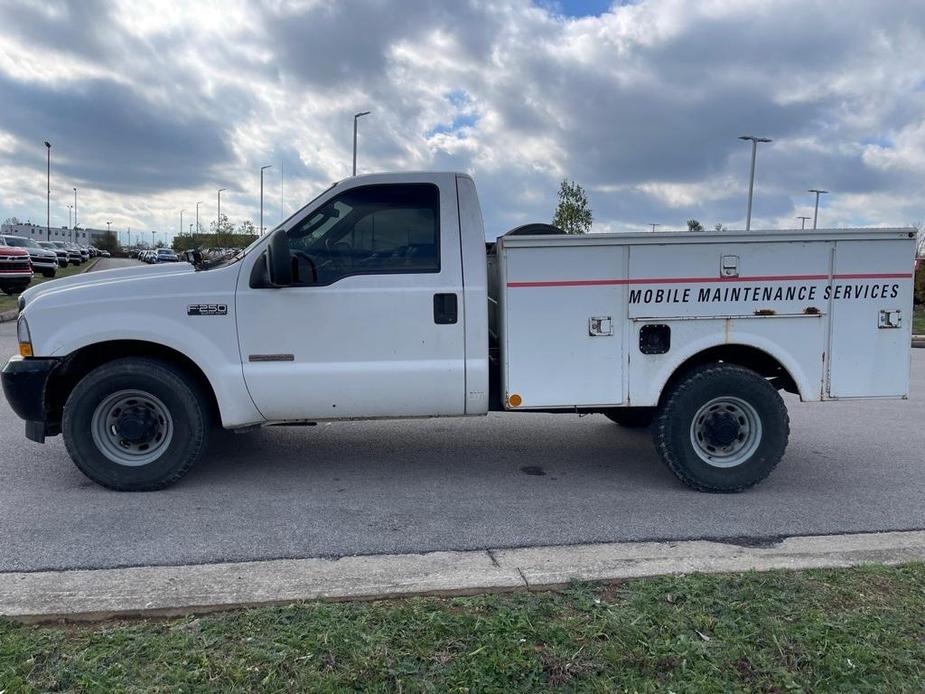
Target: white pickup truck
{"points": [[381, 299]]}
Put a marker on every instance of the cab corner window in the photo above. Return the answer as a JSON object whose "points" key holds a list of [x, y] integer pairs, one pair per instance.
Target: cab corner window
{"points": [[377, 229]]}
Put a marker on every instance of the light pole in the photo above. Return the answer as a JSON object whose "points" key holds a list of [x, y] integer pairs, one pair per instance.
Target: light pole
{"points": [[751, 181], [69, 208], [181, 222], [48, 192], [262, 168], [816, 211], [356, 117], [197, 217], [653, 225], [108, 227], [218, 223], [152, 238], [802, 223]]}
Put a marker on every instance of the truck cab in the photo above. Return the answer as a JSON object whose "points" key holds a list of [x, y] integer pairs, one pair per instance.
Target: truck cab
{"points": [[384, 309]]}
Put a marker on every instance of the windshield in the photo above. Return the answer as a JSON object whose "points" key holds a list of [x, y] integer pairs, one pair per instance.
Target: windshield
{"points": [[228, 260], [19, 242]]}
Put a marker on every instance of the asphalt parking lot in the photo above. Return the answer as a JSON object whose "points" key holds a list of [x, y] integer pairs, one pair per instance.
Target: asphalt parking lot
{"points": [[414, 486]]}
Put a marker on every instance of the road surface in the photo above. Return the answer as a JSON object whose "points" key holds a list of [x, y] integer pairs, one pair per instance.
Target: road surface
{"points": [[416, 486]]}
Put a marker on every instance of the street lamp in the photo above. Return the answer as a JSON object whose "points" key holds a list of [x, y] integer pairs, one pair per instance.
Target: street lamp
{"points": [[356, 117], [802, 222], [653, 225], [69, 208], [108, 227], [197, 217], [816, 212], [218, 223], [268, 166], [751, 181], [48, 192], [181, 222]]}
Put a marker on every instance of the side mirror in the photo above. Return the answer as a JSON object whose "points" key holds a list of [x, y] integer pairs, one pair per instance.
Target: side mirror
{"points": [[279, 260]]}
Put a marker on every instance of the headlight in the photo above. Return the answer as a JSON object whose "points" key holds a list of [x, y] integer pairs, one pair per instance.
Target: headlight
{"points": [[24, 337]]}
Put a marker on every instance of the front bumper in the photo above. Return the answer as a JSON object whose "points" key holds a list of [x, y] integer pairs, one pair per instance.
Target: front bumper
{"points": [[45, 262], [24, 383]]}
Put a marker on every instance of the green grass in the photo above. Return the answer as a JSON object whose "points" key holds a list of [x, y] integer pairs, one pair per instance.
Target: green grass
{"points": [[847, 630], [8, 302], [918, 320]]}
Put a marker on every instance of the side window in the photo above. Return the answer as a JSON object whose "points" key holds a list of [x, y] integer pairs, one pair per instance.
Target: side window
{"points": [[379, 229]]}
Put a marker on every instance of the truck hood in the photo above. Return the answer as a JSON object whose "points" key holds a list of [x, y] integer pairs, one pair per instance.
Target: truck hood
{"points": [[87, 279], [12, 251]]}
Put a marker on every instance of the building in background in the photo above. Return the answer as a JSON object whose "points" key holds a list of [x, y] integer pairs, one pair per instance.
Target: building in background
{"points": [[85, 237]]}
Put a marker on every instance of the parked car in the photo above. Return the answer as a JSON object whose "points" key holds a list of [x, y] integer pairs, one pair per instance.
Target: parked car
{"points": [[74, 256], [43, 260], [84, 252], [15, 269], [165, 255], [105, 254], [59, 252]]}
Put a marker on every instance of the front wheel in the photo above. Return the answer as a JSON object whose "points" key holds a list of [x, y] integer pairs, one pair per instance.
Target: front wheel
{"points": [[721, 428], [135, 424], [48, 273]]}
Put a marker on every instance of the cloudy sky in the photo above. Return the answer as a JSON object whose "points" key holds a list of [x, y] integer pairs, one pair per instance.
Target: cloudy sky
{"points": [[151, 105]]}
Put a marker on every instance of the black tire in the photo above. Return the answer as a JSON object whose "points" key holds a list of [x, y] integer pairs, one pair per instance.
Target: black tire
{"points": [[631, 417], [9, 291], [48, 273], [674, 429], [186, 406]]}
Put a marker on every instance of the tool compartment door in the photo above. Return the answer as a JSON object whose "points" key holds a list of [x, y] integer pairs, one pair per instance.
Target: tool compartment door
{"points": [[563, 314], [870, 357]]}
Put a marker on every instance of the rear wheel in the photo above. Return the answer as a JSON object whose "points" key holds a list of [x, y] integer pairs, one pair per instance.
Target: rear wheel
{"points": [[721, 428], [631, 417], [135, 424]]}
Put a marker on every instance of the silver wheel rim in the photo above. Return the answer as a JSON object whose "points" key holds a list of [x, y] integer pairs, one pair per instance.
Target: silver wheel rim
{"points": [[726, 432], [131, 427]]}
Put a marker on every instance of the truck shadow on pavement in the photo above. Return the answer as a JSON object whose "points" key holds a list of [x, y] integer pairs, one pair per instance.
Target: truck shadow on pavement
{"points": [[535, 452]]}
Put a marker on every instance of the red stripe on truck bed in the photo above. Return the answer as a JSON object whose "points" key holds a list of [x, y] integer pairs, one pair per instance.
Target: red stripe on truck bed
{"points": [[703, 280]]}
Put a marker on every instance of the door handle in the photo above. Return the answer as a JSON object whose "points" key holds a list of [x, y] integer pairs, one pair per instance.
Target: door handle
{"points": [[445, 309]]}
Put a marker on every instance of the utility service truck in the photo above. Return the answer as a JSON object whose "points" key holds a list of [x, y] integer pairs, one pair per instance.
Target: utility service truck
{"points": [[382, 299]]}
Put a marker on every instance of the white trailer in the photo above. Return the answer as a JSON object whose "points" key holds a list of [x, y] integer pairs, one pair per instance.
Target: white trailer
{"points": [[381, 299]]}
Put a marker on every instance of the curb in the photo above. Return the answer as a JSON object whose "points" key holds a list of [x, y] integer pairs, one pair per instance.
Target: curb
{"points": [[13, 313], [88, 595], [918, 340]]}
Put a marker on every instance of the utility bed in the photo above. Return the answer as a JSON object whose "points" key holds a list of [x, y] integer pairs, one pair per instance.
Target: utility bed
{"points": [[603, 320]]}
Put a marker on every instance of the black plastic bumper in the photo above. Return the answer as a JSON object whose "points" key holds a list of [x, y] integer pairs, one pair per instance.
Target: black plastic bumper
{"points": [[24, 387]]}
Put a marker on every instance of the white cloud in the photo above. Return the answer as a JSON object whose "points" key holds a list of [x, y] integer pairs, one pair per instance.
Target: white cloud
{"points": [[161, 102]]}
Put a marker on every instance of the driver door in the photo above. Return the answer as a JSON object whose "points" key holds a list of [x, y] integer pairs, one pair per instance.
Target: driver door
{"points": [[374, 325]]}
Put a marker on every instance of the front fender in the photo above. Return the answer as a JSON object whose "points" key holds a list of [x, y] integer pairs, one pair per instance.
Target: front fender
{"points": [[153, 309]]}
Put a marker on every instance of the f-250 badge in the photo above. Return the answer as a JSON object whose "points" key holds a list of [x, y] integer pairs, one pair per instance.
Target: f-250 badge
{"points": [[207, 310]]}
